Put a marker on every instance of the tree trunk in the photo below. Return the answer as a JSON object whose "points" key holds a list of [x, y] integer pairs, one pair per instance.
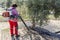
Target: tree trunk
{"points": [[33, 21]]}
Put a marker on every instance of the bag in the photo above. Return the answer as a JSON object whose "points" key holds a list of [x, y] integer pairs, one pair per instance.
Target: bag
{"points": [[5, 14]]}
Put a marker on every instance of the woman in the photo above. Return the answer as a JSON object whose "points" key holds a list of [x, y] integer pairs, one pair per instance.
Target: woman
{"points": [[13, 21]]}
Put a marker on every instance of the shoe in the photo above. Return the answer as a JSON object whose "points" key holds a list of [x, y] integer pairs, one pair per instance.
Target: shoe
{"points": [[12, 37], [17, 37]]}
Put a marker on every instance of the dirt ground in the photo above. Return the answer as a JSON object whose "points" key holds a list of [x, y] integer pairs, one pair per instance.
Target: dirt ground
{"points": [[53, 26]]}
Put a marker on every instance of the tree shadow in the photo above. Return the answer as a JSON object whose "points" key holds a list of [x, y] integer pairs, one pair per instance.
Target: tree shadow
{"points": [[47, 35]]}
